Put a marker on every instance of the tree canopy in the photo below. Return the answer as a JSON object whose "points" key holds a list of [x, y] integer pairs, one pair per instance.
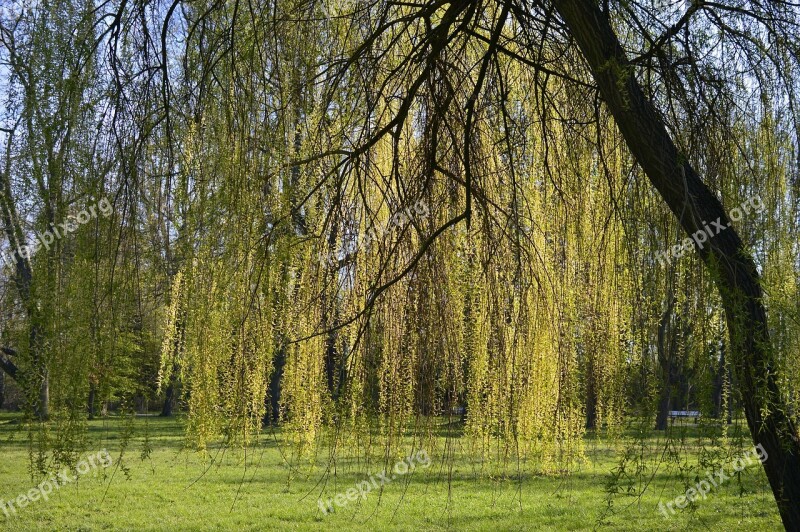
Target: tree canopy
{"points": [[344, 215]]}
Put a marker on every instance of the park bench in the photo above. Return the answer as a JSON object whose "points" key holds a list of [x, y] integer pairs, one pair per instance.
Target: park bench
{"points": [[684, 413]]}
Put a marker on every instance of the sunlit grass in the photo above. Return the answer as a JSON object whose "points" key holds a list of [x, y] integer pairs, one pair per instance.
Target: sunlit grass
{"points": [[172, 488]]}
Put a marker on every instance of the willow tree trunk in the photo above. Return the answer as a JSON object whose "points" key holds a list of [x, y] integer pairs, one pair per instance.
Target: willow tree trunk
{"points": [[734, 271]]}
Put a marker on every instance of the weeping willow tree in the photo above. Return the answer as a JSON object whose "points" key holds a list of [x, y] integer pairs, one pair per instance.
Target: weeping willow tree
{"points": [[352, 218]]}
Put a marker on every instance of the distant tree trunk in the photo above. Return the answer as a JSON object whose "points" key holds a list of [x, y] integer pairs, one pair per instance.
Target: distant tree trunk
{"points": [[43, 406], [730, 264], [333, 359], [300, 228], [331, 353], [332, 365], [666, 361], [591, 393], [273, 414], [591, 404], [169, 399], [662, 416], [42, 403], [719, 386], [2, 388], [275, 386], [731, 396], [90, 403]]}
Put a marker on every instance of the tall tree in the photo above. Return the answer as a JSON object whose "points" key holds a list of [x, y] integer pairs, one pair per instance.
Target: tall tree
{"points": [[733, 268]]}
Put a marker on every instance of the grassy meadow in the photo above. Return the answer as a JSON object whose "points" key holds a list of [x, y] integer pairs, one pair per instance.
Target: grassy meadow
{"points": [[160, 484]]}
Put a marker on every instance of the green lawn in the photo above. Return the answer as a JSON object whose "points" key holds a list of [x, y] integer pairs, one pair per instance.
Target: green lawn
{"points": [[177, 489]]}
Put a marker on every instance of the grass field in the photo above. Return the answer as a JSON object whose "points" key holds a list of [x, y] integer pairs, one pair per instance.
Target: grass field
{"points": [[173, 488]]}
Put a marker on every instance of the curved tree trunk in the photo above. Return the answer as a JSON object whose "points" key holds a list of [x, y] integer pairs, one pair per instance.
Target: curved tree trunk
{"points": [[694, 205]]}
